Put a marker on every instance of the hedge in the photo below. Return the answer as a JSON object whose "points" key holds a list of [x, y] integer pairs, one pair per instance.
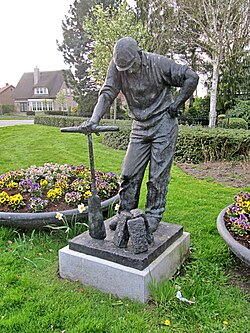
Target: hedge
{"points": [[239, 123], [198, 144], [7, 108], [195, 143], [64, 121], [57, 121], [240, 110]]}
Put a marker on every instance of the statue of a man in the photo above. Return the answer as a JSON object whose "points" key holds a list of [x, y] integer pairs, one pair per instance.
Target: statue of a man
{"points": [[145, 79]]}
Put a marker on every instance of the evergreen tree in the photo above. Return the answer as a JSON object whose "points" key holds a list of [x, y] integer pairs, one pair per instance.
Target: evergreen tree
{"points": [[74, 50]]}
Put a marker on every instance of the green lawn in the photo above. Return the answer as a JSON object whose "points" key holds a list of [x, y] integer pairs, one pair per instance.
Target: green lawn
{"points": [[34, 299], [15, 117]]}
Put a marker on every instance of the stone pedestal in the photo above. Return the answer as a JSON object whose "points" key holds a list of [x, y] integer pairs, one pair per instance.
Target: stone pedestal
{"points": [[101, 264]]}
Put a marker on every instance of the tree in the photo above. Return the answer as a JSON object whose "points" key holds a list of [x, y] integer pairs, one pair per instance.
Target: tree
{"points": [[167, 28], [221, 23], [61, 100], [73, 48], [210, 27], [234, 80], [105, 27]]}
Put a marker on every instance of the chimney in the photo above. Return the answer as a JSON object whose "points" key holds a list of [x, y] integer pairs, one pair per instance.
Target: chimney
{"points": [[7, 84], [36, 75]]}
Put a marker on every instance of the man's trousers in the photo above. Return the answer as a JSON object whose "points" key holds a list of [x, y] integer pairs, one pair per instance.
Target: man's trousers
{"points": [[151, 142]]}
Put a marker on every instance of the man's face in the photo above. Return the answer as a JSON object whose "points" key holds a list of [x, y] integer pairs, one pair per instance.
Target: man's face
{"points": [[136, 65]]}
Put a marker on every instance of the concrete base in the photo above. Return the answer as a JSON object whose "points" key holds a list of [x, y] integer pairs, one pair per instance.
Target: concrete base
{"points": [[164, 236], [118, 279]]}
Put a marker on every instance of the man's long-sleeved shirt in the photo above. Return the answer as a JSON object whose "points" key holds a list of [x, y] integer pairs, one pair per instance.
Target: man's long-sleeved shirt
{"points": [[148, 91]]}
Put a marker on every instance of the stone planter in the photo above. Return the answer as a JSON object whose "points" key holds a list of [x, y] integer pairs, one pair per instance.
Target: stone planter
{"points": [[239, 250], [31, 221]]}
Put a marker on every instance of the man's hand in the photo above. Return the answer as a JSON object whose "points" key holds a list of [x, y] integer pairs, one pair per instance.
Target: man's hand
{"points": [[88, 126], [173, 110]]}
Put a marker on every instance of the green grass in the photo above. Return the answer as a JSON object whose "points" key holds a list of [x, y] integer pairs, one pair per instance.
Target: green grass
{"points": [[34, 299], [15, 117]]}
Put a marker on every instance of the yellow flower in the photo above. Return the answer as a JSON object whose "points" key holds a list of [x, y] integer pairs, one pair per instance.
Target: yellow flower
{"points": [[2, 200], [11, 201], [4, 195], [81, 208], [54, 194], [59, 216], [62, 184], [67, 199], [80, 188], [51, 194], [87, 194], [225, 322], [12, 185], [43, 182], [19, 196], [167, 322]]}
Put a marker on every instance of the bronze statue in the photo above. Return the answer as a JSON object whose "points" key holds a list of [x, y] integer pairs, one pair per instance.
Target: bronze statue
{"points": [[145, 79]]}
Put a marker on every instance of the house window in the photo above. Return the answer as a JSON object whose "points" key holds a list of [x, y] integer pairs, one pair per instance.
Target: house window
{"points": [[49, 106], [34, 106], [23, 106], [41, 106], [41, 91]]}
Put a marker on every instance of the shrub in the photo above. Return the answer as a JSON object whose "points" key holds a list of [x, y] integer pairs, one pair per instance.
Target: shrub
{"points": [[232, 123], [64, 121], [74, 110], [7, 108], [55, 113], [196, 144], [118, 140], [187, 119], [240, 110], [57, 121], [221, 116], [30, 113], [198, 113]]}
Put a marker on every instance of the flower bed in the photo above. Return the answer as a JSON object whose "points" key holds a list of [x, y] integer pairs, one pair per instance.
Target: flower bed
{"points": [[233, 224], [31, 198], [237, 218], [52, 187]]}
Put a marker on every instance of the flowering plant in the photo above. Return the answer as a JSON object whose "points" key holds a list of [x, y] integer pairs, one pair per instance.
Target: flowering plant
{"points": [[52, 187], [237, 216], [14, 201]]}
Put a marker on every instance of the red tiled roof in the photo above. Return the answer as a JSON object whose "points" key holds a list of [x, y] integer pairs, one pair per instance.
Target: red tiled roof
{"points": [[52, 80], [6, 87]]}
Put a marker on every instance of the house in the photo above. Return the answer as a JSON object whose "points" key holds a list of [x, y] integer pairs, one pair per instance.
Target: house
{"points": [[37, 91], [7, 95]]}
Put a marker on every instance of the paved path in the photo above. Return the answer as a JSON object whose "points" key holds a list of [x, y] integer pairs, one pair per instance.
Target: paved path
{"points": [[16, 122]]}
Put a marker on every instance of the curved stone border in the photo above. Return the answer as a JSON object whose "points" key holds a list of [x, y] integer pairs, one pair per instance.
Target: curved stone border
{"points": [[39, 220], [239, 250]]}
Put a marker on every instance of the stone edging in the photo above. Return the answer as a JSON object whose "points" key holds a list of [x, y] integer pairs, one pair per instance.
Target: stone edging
{"points": [[239, 250], [31, 221]]}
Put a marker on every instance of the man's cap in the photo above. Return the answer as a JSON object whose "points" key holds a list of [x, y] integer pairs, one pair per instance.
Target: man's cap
{"points": [[125, 52]]}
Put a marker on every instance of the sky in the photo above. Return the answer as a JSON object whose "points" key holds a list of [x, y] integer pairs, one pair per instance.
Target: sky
{"points": [[28, 33]]}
